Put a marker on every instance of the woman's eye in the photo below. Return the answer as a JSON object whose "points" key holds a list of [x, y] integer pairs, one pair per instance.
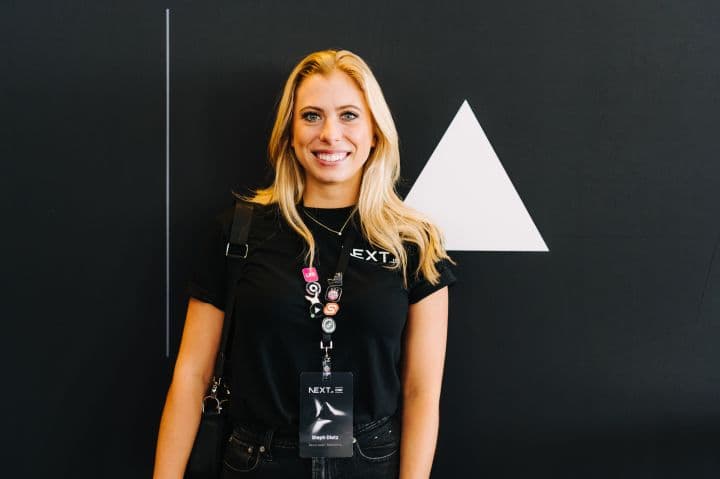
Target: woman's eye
{"points": [[348, 115], [310, 116]]}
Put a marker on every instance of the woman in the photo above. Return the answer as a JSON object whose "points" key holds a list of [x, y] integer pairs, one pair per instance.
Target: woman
{"points": [[334, 149]]}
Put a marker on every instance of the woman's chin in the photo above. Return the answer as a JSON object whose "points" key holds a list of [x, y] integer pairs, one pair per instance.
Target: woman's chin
{"points": [[324, 180]]}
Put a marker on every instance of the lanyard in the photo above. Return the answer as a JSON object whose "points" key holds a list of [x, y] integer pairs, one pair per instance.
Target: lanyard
{"points": [[330, 308]]}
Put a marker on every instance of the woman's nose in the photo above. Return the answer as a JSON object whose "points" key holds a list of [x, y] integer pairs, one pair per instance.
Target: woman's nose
{"points": [[330, 131]]}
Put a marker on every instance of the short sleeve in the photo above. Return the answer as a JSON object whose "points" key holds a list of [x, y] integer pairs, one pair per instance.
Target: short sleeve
{"points": [[419, 287], [208, 277]]}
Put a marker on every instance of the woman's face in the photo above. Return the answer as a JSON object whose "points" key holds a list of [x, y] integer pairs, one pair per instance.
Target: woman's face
{"points": [[332, 131]]}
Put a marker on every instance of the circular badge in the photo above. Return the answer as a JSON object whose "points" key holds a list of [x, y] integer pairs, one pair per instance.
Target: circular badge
{"points": [[328, 325], [312, 288], [315, 310]]}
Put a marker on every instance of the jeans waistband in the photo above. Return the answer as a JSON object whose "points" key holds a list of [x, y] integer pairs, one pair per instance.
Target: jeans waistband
{"points": [[288, 438]]}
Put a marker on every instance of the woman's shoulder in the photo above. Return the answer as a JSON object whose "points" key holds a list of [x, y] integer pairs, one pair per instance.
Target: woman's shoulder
{"points": [[259, 210], [261, 215]]}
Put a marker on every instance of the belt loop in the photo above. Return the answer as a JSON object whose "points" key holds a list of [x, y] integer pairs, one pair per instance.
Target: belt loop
{"points": [[265, 449]]}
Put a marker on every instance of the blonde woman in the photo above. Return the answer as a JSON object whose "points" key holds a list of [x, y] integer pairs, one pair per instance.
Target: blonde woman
{"points": [[381, 325]]}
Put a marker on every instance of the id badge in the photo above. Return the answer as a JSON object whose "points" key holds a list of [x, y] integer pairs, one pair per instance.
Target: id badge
{"points": [[326, 415]]}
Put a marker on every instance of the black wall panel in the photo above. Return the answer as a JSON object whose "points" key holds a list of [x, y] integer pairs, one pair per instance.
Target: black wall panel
{"points": [[596, 359]]}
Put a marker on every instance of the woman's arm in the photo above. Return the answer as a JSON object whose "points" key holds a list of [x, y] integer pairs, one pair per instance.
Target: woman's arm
{"points": [[422, 370], [193, 371]]}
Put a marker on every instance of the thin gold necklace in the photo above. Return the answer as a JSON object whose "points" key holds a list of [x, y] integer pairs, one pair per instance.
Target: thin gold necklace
{"points": [[342, 228]]}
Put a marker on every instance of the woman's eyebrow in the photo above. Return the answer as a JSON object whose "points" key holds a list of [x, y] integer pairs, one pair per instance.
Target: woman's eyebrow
{"points": [[343, 107], [311, 107]]}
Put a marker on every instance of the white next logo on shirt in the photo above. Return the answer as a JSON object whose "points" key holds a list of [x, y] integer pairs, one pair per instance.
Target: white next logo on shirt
{"points": [[376, 256]]}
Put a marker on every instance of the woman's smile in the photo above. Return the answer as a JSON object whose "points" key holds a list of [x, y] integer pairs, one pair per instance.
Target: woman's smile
{"points": [[330, 157]]}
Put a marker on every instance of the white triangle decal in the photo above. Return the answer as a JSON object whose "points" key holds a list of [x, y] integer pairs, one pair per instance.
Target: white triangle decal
{"points": [[465, 190]]}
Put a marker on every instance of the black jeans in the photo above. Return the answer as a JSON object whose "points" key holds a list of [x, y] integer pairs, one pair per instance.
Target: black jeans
{"points": [[376, 455]]}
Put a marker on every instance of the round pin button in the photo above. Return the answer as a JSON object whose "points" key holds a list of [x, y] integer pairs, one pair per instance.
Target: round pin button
{"points": [[328, 325], [315, 310], [312, 288]]}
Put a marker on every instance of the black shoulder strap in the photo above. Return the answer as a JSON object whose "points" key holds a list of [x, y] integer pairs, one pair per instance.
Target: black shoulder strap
{"points": [[236, 251]]}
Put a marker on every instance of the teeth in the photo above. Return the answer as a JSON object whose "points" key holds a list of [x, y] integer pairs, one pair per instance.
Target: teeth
{"points": [[331, 157]]}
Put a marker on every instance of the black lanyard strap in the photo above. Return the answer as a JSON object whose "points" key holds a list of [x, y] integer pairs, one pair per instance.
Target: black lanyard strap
{"points": [[344, 257], [334, 291], [332, 295]]}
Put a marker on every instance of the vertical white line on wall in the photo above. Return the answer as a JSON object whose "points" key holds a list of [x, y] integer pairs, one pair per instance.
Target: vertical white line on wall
{"points": [[167, 182]]}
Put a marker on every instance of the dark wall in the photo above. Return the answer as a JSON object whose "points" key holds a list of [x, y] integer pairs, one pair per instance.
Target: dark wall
{"points": [[596, 359]]}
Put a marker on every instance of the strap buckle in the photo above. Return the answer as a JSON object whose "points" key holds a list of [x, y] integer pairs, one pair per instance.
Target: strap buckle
{"points": [[229, 254], [212, 402]]}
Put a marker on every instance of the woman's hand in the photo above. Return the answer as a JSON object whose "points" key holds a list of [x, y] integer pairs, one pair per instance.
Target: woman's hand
{"points": [[422, 370]]}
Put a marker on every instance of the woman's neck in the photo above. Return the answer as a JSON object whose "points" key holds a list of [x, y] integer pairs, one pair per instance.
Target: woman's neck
{"points": [[329, 197]]}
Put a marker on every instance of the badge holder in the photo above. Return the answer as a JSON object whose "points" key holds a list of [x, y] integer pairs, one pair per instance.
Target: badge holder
{"points": [[326, 414]]}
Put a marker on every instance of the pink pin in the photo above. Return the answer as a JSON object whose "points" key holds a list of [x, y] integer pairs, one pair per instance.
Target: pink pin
{"points": [[310, 274], [333, 293]]}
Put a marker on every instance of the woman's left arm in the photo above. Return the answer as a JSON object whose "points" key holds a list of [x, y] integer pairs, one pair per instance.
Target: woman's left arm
{"points": [[422, 370]]}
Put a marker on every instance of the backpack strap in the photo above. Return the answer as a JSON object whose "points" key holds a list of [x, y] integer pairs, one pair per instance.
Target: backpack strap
{"points": [[236, 251]]}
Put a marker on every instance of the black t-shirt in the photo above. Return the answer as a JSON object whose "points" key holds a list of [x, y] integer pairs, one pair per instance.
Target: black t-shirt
{"points": [[275, 339]]}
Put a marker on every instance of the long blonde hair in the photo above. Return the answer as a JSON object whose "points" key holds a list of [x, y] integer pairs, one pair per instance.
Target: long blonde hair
{"points": [[385, 220]]}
